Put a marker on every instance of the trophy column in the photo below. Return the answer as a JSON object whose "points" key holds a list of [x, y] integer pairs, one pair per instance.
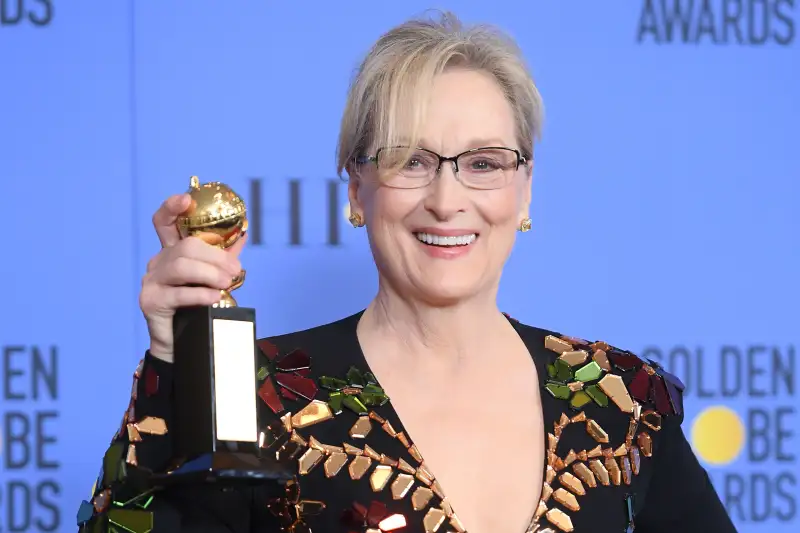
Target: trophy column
{"points": [[215, 424]]}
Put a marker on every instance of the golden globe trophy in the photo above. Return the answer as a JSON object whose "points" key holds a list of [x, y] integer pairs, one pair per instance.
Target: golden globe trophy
{"points": [[215, 424]]}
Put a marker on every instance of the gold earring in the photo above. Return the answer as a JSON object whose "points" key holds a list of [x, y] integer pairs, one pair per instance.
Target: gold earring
{"points": [[525, 225], [356, 220]]}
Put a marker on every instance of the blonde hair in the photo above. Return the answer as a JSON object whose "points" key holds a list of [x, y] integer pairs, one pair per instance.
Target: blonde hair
{"points": [[388, 94]]}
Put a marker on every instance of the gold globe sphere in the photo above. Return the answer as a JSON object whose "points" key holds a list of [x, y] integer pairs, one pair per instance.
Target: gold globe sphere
{"points": [[216, 214]]}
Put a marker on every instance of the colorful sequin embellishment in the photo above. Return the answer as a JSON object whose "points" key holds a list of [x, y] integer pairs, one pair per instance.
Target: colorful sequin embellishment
{"points": [[358, 392], [583, 373], [284, 376]]}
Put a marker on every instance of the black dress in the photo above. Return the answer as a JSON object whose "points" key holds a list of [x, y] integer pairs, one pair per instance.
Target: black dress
{"points": [[616, 457]]}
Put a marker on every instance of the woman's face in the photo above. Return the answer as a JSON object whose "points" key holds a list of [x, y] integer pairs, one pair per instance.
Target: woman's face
{"points": [[406, 227]]}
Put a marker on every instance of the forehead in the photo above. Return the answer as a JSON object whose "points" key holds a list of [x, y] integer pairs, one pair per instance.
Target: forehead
{"points": [[466, 109]]}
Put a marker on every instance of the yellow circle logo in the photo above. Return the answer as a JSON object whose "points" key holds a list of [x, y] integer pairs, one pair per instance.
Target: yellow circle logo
{"points": [[718, 435]]}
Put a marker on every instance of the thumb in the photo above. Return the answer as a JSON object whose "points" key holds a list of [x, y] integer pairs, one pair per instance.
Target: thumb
{"points": [[164, 219]]}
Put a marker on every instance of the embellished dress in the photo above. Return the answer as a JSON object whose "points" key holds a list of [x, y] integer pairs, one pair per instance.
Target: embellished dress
{"points": [[616, 459]]}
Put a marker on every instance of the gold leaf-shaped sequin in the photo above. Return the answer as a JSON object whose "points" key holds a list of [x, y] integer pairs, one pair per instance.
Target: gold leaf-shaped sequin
{"points": [[597, 433], [613, 470], [572, 483], [446, 507], [600, 471], [580, 417], [317, 445], [296, 437], [557, 345], [309, 460], [352, 450], [622, 450], [151, 425], [392, 523], [625, 467], [645, 444], [330, 448], [372, 454], [334, 463], [403, 439], [387, 427], [133, 434], [287, 421], [313, 413], [388, 461], [601, 359], [541, 509], [403, 465], [361, 428], [652, 419], [380, 477], [437, 489], [401, 485], [421, 497], [547, 491], [359, 466], [633, 424], [131, 458], [585, 474], [563, 421], [414, 452], [637, 411], [615, 389], [376, 417], [560, 519], [549, 474], [635, 460], [573, 358], [567, 499], [597, 451], [433, 520], [422, 476], [552, 442], [570, 458], [575, 386]]}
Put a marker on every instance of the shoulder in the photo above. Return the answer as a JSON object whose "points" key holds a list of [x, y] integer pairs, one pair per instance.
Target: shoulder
{"points": [[323, 336]]}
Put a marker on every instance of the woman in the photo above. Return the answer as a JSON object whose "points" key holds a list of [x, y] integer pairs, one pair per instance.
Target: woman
{"points": [[437, 142]]}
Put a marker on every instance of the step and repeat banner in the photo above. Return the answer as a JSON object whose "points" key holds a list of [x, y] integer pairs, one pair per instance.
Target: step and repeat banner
{"points": [[664, 212]]}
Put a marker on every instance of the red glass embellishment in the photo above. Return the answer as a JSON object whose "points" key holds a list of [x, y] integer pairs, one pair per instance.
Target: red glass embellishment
{"points": [[150, 381], [294, 361], [376, 517], [661, 396], [624, 360], [286, 377], [673, 387], [640, 385], [299, 385], [270, 396], [268, 349], [377, 512]]}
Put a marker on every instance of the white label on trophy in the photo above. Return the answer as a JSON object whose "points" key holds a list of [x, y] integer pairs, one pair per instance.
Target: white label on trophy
{"points": [[235, 380]]}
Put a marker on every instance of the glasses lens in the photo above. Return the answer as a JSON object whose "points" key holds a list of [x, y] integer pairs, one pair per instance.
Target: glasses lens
{"points": [[487, 168], [405, 167]]}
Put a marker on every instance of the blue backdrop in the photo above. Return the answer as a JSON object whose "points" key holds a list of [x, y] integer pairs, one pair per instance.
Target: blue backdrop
{"points": [[664, 211]]}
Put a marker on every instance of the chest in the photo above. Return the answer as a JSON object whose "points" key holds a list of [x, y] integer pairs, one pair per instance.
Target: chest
{"points": [[484, 443]]}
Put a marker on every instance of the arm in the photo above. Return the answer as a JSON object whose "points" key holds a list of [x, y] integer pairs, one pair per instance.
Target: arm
{"points": [[680, 496], [142, 445]]}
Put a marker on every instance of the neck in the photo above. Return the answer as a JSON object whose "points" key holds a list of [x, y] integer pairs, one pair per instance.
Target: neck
{"points": [[447, 333]]}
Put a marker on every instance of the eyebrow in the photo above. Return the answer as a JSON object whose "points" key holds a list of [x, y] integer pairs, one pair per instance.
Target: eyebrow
{"points": [[478, 142]]}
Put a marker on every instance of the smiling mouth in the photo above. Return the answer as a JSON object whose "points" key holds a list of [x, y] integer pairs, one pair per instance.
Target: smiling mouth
{"points": [[446, 242]]}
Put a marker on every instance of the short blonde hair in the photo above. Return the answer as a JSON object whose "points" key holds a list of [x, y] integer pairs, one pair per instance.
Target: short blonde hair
{"points": [[387, 97]]}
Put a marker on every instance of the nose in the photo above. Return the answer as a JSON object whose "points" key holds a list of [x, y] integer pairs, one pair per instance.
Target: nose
{"points": [[446, 195]]}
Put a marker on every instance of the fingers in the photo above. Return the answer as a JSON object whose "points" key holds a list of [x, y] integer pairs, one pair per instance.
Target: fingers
{"points": [[165, 217], [187, 271], [236, 249], [194, 248]]}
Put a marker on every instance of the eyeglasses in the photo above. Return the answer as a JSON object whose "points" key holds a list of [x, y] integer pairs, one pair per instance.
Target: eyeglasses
{"points": [[481, 168]]}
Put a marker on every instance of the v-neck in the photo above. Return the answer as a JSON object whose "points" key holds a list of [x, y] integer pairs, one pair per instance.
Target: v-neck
{"points": [[533, 340]]}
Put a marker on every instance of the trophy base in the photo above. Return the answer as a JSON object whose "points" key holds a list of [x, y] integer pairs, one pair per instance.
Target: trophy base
{"points": [[228, 468]]}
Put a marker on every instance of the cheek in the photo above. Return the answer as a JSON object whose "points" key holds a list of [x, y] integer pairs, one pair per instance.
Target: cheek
{"points": [[389, 207], [501, 208]]}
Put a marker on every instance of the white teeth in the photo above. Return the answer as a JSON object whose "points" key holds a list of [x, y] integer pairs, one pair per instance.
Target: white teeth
{"points": [[439, 240]]}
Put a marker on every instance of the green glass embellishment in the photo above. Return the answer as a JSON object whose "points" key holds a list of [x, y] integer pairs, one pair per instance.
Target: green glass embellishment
{"points": [[334, 384], [132, 521], [579, 399], [558, 390], [114, 464], [597, 395], [263, 372], [551, 371], [335, 402], [358, 392], [590, 372], [355, 377], [355, 405], [563, 371]]}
